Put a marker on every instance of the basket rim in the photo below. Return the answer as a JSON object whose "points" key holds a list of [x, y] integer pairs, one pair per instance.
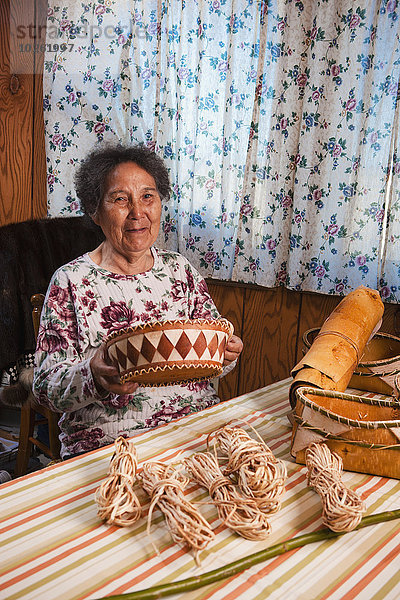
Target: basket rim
{"points": [[221, 324], [216, 368], [388, 424]]}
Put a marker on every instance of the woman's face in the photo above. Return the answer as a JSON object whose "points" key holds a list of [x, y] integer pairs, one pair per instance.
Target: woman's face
{"points": [[130, 210]]}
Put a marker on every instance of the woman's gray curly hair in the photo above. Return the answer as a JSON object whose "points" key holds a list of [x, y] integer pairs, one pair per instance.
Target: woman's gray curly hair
{"points": [[90, 179]]}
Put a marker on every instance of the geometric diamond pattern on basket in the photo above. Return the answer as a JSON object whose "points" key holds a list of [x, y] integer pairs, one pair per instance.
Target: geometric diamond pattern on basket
{"points": [[148, 350], [200, 344], [221, 347], [165, 347], [122, 357], [213, 345], [183, 345], [157, 347], [132, 353]]}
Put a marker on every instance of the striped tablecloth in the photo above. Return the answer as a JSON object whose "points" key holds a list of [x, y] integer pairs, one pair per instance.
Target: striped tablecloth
{"points": [[54, 547]]}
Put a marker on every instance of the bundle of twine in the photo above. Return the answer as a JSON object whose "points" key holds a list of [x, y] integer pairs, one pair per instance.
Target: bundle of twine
{"points": [[165, 485], [342, 508], [260, 475], [240, 514], [116, 499]]}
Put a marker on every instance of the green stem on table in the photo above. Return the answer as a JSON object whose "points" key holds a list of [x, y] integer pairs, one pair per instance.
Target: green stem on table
{"points": [[193, 583]]}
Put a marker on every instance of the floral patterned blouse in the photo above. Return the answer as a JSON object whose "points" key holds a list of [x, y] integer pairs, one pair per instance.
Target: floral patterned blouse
{"points": [[84, 305]]}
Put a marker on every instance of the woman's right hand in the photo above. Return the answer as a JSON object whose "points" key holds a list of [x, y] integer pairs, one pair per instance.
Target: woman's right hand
{"points": [[106, 376]]}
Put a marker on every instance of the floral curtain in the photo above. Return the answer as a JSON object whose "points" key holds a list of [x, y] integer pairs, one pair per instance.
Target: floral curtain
{"points": [[278, 121]]}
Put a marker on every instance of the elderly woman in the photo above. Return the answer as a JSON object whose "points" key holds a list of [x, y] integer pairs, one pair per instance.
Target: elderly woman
{"points": [[125, 281]]}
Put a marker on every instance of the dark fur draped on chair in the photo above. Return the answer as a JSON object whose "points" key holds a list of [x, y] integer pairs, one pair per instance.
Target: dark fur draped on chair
{"points": [[30, 252]]}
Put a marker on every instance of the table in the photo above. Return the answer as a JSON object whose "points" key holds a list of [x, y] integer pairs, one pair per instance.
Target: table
{"points": [[54, 546]]}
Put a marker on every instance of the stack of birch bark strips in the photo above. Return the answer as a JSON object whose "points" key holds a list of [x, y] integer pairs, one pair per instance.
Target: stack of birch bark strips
{"points": [[364, 431]]}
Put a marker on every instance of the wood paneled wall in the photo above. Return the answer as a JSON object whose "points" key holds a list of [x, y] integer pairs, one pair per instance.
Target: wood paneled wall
{"points": [[22, 155], [271, 322]]}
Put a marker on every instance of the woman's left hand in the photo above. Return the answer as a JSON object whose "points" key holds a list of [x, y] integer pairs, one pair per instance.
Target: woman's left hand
{"points": [[233, 349]]}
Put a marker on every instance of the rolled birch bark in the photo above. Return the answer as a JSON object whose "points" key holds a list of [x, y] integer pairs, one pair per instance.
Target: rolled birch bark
{"points": [[339, 345]]}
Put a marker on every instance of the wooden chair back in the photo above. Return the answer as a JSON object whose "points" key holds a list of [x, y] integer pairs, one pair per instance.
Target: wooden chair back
{"points": [[33, 414], [37, 301]]}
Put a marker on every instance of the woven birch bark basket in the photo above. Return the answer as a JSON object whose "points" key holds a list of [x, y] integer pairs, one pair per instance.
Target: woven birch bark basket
{"points": [[364, 432], [379, 367], [167, 352]]}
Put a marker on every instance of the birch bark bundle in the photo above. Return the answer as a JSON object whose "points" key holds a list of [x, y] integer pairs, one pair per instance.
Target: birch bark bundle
{"points": [[237, 512], [260, 475], [342, 508], [116, 500], [165, 485]]}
